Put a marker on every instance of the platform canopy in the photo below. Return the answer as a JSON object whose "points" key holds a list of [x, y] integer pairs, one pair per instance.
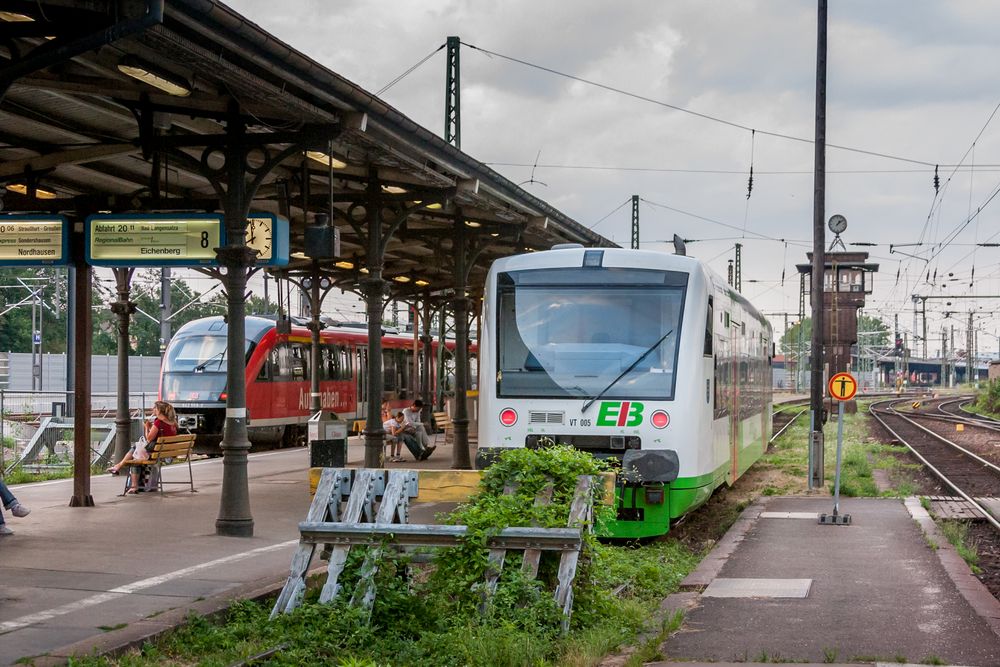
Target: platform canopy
{"points": [[122, 106]]}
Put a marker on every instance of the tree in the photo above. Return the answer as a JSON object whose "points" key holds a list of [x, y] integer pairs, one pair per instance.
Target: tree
{"points": [[15, 325], [872, 330], [144, 331]]}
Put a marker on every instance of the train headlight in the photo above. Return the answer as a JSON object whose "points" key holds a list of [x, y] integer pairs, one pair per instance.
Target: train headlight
{"points": [[508, 417], [659, 419]]}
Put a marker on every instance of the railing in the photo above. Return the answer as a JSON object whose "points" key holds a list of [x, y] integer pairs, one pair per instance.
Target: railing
{"points": [[22, 411]]}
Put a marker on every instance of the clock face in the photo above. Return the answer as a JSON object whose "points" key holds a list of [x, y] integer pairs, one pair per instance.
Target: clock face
{"points": [[838, 224], [259, 236]]}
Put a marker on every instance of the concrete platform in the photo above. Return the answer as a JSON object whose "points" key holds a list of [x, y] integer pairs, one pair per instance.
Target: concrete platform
{"points": [[879, 592], [76, 580]]}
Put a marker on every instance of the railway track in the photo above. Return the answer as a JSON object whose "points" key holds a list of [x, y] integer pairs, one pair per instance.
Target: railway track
{"points": [[972, 477]]}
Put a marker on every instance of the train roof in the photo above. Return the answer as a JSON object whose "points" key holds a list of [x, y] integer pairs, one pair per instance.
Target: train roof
{"points": [[572, 255], [257, 327]]}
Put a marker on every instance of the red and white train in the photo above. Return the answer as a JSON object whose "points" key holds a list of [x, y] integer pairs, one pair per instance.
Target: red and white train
{"points": [[278, 375]]}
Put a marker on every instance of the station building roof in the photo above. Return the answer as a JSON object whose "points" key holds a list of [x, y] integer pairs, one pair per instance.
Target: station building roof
{"points": [[81, 131]]}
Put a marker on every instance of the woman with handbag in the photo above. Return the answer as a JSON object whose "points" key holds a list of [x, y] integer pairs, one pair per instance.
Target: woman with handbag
{"points": [[163, 422]]}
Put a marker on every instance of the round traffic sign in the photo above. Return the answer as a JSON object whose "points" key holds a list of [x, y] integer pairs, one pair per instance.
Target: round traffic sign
{"points": [[842, 386]]}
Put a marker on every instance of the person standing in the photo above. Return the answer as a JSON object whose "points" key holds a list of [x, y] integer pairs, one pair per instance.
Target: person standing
{"points": [[10, 503]]}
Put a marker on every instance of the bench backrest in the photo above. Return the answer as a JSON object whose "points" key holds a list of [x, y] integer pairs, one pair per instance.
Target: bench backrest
{"points": [[172, 446]]}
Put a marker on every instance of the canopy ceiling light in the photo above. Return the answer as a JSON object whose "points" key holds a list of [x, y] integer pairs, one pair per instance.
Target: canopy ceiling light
{"points": [[393, 189], [14, 17], [22, 189], [471, 223], [344, 265], [434, 207], [154, 76], [421, 283], [324, 159], [402, 279]]}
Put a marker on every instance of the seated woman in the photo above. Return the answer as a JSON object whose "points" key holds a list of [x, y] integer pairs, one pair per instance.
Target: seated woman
{"points": [[163, 422]]}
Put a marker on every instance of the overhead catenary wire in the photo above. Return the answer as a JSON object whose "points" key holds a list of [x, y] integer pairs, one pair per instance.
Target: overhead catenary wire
{"points": [[409, 71], [698, 114]]}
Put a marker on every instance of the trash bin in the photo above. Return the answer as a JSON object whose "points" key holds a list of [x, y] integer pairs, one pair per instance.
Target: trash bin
{"points": [[327, 441]]}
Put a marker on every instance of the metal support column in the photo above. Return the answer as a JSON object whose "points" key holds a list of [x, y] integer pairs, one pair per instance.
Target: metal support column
{"points": [[81, 397], [123, 308], [235, 518]]}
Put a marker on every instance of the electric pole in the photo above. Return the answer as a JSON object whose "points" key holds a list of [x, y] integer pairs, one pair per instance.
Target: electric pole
{"points": [[452, 95], [738, 276], [635, 222], [816, 448]]}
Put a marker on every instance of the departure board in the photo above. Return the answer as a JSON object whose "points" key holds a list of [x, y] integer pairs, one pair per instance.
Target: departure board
{"points": [[34, 240], [153, 240]]}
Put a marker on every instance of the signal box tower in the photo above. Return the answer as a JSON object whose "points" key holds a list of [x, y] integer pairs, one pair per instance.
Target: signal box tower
{"points": [[845, 285]]}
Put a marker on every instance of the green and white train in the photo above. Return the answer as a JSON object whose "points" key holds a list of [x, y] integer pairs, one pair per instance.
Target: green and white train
{"points": [[643, 356]]}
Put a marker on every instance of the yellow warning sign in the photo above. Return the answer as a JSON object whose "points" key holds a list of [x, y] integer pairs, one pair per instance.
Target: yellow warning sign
{"points": [[842, 386]]}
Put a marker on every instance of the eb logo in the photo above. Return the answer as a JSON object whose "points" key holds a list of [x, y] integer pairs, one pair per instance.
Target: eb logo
{"points": [[619, 413]]}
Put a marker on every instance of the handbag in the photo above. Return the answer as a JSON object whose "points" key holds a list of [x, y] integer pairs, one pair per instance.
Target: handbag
{"points": [[139, 452]]}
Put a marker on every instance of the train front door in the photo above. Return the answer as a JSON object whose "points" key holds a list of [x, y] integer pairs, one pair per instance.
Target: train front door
{"points": [[735, 354]]}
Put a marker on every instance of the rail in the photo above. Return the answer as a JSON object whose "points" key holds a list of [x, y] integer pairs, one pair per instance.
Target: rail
{"points": [[878, 411]]}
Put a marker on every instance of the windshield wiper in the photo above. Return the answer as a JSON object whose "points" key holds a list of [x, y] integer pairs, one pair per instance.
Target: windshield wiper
{"points": [[200, 368], [626, 371]]}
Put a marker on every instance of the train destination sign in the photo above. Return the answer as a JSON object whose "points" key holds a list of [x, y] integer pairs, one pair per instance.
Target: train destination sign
{"points": [[843, 386], [34, 240], [153, 240]]}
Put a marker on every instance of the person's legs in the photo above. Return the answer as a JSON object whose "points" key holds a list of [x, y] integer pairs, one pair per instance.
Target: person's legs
{"points": [[6, 496]]}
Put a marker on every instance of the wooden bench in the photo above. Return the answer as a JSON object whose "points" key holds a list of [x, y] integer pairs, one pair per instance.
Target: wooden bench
{"points": [[172, 448], [442, 422]]}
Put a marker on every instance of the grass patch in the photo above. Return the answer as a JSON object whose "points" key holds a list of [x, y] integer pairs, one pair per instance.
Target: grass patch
{"points": [[957, 533], [428, 614]]}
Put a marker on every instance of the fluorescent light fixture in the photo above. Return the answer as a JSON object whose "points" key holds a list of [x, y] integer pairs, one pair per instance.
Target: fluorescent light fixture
{"points": [[494, 234], [363, 270], [471, 223], [153, 76], [402, 279], [421, 283], [344, 265], [324, 159], [434, 207], [393, 189], [22, 189], [299, 255], [14, 17]]}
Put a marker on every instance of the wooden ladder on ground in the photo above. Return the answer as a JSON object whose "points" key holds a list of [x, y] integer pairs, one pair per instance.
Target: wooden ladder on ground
{"points": [[359, 523]]}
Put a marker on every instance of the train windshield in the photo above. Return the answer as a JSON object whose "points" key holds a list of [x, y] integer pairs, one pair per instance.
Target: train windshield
{"points": [[194, 368], [569, 333]]}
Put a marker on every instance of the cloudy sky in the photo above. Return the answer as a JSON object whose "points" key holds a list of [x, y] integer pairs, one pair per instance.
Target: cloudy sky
{"points": [[911, 84]]}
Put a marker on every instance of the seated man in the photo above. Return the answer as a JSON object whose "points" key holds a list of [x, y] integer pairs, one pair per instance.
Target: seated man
{"points": [[398, 428], [412, 415]]}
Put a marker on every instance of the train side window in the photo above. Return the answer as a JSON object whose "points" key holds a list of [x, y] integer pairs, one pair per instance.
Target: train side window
{"points": [[708, 330], [299, 362]]}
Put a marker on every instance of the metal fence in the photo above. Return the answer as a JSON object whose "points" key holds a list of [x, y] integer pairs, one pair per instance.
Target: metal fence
{"points": [[23, 412]]}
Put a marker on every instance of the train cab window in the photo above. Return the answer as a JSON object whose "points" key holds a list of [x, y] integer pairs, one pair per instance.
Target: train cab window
{"points": [[300, 361], [708, 330]]}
